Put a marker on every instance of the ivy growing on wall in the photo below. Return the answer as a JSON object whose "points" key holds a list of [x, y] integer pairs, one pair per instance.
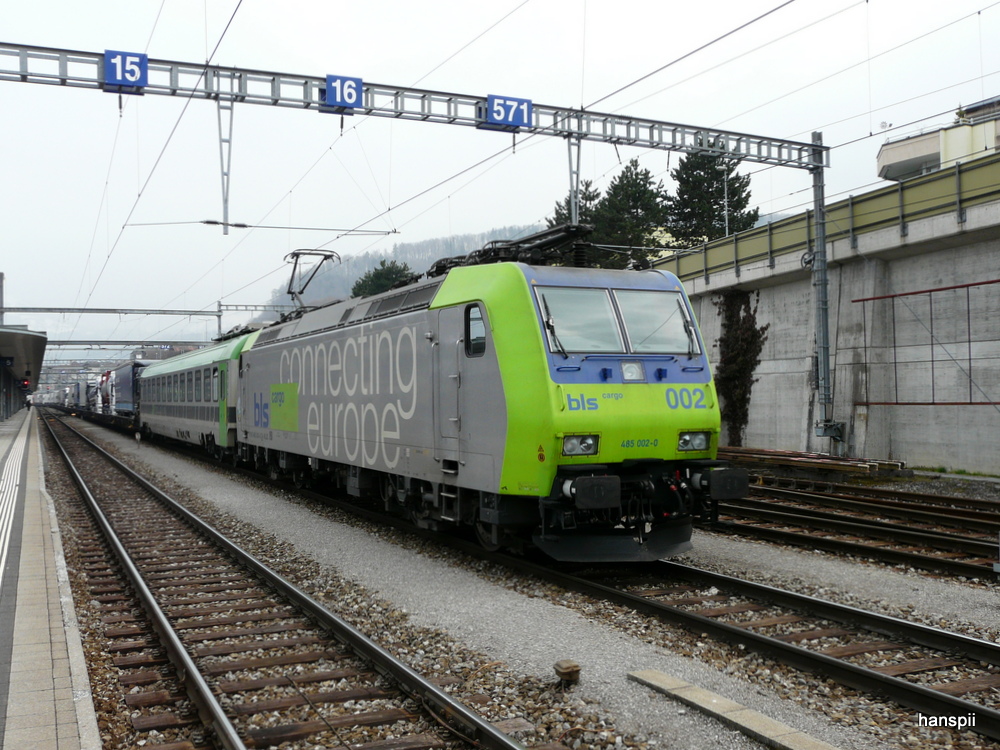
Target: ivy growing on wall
{"points": [[740, 345]]}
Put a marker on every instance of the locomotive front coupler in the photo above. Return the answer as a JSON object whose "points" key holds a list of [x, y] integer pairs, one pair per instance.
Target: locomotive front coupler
{"points": [[717, 480], [593, 492]]}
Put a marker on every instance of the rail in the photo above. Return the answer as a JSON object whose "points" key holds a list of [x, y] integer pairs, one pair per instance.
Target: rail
{"points": [[460, 719]]}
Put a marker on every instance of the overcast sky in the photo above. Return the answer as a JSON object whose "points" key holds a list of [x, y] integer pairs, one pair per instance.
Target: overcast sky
{"points": [[99, 206]]}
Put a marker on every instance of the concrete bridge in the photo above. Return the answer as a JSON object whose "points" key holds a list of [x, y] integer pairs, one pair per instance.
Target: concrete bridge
{"points": [[914, 290]]}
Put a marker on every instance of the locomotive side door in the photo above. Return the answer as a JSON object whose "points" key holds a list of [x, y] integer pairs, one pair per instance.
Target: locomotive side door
{"points": [[448, 383], [470, 411]]}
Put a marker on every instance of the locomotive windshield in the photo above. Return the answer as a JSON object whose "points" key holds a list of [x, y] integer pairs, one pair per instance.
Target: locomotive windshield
{"points": [[580, 320], [656, 322], [598, 322]]}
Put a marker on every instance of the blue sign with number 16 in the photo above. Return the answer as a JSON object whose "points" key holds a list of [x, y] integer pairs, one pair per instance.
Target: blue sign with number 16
{"points": [[344, 92]]}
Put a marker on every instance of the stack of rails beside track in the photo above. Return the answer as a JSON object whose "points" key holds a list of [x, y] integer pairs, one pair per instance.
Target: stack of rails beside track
{"points": [[217, 651], [809, 464], [927, 532]]}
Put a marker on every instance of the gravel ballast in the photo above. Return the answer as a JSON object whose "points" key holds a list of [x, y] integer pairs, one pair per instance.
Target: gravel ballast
{"points": [[528, 626]]}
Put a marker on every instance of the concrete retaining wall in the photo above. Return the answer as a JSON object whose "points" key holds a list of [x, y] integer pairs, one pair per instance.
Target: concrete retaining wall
{"points": [[904, 369]]}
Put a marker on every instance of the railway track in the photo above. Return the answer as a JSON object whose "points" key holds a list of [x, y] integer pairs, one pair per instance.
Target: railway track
{"points": [[895, 497], [926, 669], [950, 536], [979, 519], [214, 650], [929, 670]]}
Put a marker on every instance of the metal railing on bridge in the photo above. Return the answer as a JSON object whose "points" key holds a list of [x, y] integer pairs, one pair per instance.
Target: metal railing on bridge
{"points": [[948, 191]]}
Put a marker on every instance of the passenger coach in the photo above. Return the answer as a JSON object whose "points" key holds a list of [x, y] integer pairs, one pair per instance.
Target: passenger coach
{"points": [[191, 397]]}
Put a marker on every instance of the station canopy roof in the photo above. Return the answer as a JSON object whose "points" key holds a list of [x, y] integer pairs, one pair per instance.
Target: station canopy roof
{"points": [[21, 352]]}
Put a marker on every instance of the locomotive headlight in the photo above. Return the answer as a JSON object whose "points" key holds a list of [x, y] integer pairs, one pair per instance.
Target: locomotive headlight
{"points": [[693, 441], [633, 372], [580, 445]]}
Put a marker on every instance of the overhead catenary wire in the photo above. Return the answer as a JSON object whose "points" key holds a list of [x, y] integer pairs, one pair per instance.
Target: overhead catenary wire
{"points": [[695, 51], [867, 61], [354, 127], [107, 178], [859, 139], [159, 157], [522, 4], [854, 65], [408, 200], [472, 41], [704, 70], [240, 225], [806, 26], [157, 161], [445, 181]]}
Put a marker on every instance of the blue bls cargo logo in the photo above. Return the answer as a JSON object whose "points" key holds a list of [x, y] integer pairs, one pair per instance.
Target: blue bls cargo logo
{"points": [[261, 410], [581, 403], [278, 410]]}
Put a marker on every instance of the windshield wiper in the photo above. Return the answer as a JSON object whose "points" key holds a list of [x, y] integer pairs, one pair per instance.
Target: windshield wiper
{"points": [[550, 324], [688, 329]]}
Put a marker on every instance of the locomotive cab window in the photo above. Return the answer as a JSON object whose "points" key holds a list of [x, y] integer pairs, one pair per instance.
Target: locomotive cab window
{"points": [[656, 322], [637, 321], [579, 320], [475, 331]]}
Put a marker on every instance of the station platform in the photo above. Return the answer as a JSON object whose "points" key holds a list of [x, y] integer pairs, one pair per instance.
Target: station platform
{"points": [[45, 700]]}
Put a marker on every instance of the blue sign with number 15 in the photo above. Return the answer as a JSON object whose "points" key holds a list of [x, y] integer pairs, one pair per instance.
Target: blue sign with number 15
{"points": [[125, 70]]}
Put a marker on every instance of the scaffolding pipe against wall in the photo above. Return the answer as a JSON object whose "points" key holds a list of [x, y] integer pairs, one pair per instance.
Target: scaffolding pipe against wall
{"points": [[933, 344]]}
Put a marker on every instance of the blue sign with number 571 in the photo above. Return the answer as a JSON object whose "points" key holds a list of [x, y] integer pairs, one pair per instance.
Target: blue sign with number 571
{"points": [[125, 70], [508, 112]]}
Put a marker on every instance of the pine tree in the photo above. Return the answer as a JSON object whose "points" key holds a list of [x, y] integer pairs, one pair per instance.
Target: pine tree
{"points": [[710, 195], [382, 278], [632, 210], [589, 197]]}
